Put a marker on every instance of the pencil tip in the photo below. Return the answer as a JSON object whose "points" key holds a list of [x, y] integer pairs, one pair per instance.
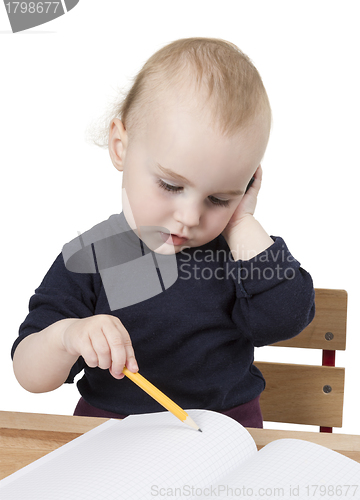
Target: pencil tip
{"points": [[199, 430]]}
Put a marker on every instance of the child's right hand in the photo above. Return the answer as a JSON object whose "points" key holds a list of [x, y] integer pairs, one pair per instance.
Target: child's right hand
{"points": [[103, 341]]}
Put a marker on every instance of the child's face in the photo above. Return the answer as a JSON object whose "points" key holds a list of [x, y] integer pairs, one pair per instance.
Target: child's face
{"points": [[182, 175]]}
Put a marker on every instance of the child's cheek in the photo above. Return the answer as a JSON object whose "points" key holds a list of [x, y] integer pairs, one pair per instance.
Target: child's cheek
{"points": [[217, 222]]}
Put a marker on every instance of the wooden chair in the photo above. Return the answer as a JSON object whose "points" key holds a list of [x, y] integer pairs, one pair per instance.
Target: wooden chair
{"points": [[308, 394]]}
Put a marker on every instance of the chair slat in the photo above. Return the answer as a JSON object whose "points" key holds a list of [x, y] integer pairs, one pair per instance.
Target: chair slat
{"points": [[328, 328], [294, 394]]}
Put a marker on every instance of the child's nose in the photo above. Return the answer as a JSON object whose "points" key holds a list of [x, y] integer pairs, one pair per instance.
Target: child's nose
{"points": [[188, 214]]}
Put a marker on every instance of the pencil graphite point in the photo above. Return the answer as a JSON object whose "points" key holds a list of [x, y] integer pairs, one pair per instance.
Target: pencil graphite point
{"points": [[189, 421]]}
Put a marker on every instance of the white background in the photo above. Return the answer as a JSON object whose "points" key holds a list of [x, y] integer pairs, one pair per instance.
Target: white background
{"points": [[58, 78]]}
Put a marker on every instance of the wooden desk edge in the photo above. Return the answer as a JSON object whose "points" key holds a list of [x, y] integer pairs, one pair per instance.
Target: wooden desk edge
{"points": [[346, 444], [47, 422]]}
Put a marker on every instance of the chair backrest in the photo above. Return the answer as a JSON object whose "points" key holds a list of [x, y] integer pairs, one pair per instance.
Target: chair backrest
{"points": [[310, 394]]}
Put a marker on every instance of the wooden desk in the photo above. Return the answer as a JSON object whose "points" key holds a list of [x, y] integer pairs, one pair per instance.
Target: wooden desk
{"points": [[25, 437]]}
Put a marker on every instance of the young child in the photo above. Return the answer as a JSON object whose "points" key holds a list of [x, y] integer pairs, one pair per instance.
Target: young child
{"points": [[188, 137]]}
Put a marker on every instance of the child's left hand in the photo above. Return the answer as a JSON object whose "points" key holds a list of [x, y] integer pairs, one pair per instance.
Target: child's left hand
{"points": [[247, 205]]}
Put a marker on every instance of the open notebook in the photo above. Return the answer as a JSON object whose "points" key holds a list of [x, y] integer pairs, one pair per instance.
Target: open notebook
{"points": [[157, 456]]}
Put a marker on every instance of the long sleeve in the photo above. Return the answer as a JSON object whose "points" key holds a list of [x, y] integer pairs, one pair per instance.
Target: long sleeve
{"points": [[275, 296], [61, 294]]}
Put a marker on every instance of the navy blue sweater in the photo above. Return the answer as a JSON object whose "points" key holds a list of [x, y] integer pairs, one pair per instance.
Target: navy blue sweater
{"points": [[194, 340]]}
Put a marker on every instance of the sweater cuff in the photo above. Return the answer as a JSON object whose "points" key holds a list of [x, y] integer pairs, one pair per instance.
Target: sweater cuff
{"points": [[266, 270]]}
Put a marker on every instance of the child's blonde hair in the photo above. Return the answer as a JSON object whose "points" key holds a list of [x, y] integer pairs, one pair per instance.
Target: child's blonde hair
{"points": [[233, 87]]}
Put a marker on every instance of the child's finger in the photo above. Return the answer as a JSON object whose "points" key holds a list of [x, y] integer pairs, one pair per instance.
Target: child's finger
{"points": [[130, 361], [258, 173], [102, 349], [257, 179], [88, 353], [120, 347], [117, 353]]}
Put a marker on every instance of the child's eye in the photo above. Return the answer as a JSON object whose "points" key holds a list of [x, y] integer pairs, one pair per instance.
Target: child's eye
{"points": [[177, 189], [169, 187], [218, 202]]}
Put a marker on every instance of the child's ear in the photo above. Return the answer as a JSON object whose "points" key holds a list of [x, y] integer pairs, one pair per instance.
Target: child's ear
{"points": [[118, 140]]}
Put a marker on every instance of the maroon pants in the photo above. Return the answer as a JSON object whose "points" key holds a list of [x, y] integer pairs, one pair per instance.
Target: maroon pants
{"points": [[248, 414]]}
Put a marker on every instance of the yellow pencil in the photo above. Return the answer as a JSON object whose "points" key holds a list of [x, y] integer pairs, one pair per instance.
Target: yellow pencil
{"points": [[160, 397]]}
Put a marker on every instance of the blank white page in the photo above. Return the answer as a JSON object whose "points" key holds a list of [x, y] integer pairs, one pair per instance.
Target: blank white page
{"points": [[293, 468], [134, 459]]}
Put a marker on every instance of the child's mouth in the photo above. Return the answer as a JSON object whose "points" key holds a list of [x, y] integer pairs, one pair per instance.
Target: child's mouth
{"points": [[172, 239]]}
